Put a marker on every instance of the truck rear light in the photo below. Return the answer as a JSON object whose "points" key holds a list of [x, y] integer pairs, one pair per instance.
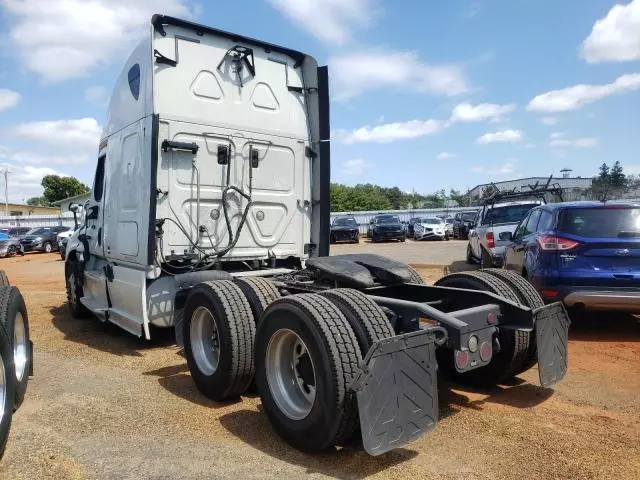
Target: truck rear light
{"points": [[549, 293], [491, 318], [485, 351], [557, 244], [491, 241], [462, 359]]}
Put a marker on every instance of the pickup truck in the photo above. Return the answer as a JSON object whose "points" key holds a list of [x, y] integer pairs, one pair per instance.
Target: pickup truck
{"points": [[493, 230]]}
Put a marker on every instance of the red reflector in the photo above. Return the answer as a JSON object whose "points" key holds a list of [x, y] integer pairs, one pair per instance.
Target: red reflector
{"points": [[491, 318], [485, 351], [462, 359], [491, 240], [549, 293], [553, 243]]}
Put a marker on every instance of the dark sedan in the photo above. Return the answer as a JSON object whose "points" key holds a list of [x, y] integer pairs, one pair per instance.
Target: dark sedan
{"points": [[386, 227], [42, 239], [345, 229]]}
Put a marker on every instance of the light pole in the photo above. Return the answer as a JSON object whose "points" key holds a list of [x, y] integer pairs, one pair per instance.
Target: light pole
{"points": [[5, 171]]}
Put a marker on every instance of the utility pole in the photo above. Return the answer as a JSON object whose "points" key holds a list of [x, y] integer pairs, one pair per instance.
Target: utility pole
{"points": [[5, 171]]}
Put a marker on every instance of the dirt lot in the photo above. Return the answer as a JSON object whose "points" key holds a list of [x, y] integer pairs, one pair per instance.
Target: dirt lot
{"points": [[103, 404]]}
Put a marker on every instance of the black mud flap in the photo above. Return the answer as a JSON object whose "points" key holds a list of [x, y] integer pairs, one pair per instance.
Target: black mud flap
{"points": [[397, 391], [552, 336]]}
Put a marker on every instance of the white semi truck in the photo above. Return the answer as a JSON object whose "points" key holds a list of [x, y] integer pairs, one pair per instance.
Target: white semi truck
{"points": [[210, 215]]}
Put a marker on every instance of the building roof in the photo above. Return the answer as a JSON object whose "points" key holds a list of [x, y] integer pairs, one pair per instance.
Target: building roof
{"points": [[70, 199]]}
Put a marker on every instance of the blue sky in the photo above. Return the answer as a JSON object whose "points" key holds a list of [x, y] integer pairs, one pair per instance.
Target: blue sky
{"points": [[424, 94]]}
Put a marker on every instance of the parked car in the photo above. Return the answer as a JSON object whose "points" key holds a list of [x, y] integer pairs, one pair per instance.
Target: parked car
{"points": [[345, 229], [449, 227], [10, 247], [430, 228], [61, 239], [462, 223], [487, 240], [15, 231], [410, 224], [42, 239], [586, 254], [386, 227]]}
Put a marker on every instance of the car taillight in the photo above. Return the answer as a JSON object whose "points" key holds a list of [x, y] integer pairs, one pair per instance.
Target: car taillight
{"points": [[553, 243], [462, 359], [491, 240]]}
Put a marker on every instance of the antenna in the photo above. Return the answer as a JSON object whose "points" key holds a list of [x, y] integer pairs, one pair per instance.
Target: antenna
{"points": [[5, 172]]}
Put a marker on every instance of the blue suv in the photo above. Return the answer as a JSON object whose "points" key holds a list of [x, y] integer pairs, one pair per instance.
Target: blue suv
{"points": [[586, 254]]}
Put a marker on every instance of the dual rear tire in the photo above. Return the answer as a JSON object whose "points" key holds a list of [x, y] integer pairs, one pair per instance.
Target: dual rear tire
{"points": [[304, 350]]}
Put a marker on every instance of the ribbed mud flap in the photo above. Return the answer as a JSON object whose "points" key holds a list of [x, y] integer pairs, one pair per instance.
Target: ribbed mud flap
{"points": [[552, 337], [397, 391]]}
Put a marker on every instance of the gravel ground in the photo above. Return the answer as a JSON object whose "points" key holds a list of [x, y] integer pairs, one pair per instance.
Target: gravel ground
{"points": [[427, 252], [103, 404]]}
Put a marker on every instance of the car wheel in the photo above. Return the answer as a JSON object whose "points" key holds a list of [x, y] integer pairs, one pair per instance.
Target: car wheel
{"points": [[48, 247], [12, 251], [470, 258], [485, 260]]}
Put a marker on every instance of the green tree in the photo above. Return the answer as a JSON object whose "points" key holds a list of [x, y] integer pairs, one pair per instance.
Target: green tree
{"points": [[617, 176], [603, 175], [58, 188], [37, 202]]}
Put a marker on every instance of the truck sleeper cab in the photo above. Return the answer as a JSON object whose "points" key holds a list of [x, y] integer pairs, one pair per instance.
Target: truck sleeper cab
{"points": [[210, 215]]}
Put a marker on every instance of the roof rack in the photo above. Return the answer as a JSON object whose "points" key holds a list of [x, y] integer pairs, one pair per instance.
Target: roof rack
{"points": [[535, 191]]}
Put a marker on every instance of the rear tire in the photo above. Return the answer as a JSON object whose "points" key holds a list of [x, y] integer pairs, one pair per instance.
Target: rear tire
{"points": [[485, 260], [218, 333], [513, 344], [309, 405], [48, 248], [415, 276], [259, 292], [14, 319], [367, 320], [529, 297], [7, 388], [470, 258]]}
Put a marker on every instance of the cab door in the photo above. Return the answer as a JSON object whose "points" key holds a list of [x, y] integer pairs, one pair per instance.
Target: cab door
{"points": [[94, 212]]}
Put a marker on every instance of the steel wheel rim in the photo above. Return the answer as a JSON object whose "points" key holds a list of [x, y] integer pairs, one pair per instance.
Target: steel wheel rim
{"points": [[292, 383], [20, 346], [205, 342]]}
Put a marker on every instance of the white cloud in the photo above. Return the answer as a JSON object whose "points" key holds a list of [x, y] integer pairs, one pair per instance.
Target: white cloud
{"points": [[559, 140], [505, 136], [445, 155], [67, 39], [96, 94], [355, 167], [33, 158], [390, 132], [77, 135], [549, 120], [573, 98], [506, 169], [465, 112], [473, 9], [8, 99], [358, 72], [25, 181], [616, 37], [331, 21]]}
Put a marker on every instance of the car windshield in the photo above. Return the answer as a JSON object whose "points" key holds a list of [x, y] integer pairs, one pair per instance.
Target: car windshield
{"points": [[608, 222], [345, 222], [388, 219], [39, 231], [507, 214], [432, 221], [468, 217], [449, 221]]}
